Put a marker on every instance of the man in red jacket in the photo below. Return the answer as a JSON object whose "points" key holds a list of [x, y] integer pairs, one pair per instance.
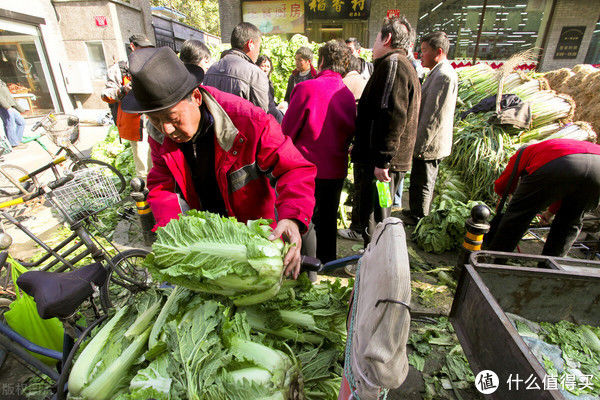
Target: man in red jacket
{"points": [[218, 152], [561, 173]]}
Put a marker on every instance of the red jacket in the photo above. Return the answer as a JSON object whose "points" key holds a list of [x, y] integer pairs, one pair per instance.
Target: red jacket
{"points": [[251, 154], [539, 154], [320, 122]]}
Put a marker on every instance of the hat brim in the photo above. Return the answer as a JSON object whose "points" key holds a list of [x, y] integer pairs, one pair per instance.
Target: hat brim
{"points": [[130, 105]]}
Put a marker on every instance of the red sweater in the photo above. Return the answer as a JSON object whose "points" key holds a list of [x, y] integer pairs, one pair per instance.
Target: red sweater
{"points": [[320, 122], [539, 154]]}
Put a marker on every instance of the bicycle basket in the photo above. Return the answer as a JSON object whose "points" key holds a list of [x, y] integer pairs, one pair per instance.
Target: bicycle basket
{"points": [[89, 192], [63, 129]]}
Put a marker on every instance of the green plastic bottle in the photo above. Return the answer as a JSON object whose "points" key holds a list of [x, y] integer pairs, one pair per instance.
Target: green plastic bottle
{"points": [[385, 196]]}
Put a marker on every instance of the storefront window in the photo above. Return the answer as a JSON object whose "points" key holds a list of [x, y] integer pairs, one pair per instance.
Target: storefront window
{"points": [[509, 26], [24, 69], [593, 55]]}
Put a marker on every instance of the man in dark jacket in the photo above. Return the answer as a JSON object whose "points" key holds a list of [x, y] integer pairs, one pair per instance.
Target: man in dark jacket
{"points": [[237, 73], [386, 125], [217, 152]]}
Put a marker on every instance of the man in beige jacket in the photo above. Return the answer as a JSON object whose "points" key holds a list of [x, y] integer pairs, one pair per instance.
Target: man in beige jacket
{"points": [[436, 120]]}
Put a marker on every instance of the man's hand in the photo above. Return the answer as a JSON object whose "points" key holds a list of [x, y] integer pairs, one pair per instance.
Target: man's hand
{"points": [[289, 231], [382, 175]]}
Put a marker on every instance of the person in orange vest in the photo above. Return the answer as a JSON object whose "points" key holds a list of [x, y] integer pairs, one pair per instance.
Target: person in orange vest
{"points": [[131, 126]]}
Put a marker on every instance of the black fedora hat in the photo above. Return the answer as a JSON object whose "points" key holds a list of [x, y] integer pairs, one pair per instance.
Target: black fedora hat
{"points": [[159, 80]]}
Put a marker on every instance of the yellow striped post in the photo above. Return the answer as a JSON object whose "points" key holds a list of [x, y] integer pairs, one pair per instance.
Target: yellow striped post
{"points": [[477, 226]]}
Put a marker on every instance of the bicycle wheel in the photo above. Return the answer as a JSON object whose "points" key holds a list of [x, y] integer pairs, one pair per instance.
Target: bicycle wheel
{"points": [[127, 277], [8, 190], [107, 169]]}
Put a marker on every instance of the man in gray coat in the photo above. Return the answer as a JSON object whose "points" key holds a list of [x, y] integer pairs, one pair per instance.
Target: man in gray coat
{"points": [[436, 120], [236, 72]]}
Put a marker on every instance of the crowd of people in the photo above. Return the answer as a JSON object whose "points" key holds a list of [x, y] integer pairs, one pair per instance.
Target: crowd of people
{"points": [[219, 142]]}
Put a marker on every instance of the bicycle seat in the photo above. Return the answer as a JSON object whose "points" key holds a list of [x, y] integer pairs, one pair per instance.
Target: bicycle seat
{"points": [[59, 294]]}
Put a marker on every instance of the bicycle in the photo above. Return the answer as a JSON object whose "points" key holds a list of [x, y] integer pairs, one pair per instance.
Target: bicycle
{"points": [[48, 290], [63, 130], [79, 197]]}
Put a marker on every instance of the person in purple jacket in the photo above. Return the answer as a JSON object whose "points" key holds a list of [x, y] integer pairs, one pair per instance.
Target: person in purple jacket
{"points": [[320, 122]]}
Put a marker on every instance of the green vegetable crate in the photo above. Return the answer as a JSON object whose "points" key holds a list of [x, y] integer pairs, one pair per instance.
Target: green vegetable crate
{"points": [[487, 291]]}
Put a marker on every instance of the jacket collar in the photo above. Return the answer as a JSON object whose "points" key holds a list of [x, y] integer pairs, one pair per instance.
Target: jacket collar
{"points": [[439, 65], [225, 130], [396, 51], [313, 72], [328, 72], [237, 52]]}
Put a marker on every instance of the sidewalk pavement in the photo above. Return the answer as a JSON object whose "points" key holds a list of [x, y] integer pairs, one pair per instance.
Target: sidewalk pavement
{"points": [[39, 218]]}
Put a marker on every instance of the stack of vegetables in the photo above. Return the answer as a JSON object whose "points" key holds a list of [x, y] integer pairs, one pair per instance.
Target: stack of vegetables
{"points": [[565, 350], [582, 83], [232, 329], [482, 150]]}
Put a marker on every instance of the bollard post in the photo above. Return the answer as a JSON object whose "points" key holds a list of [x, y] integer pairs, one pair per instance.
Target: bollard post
{"points": [[140, 195], [477, 225]]}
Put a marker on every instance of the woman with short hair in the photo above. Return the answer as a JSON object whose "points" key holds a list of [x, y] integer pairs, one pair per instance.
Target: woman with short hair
{"points": [[320, 122]]}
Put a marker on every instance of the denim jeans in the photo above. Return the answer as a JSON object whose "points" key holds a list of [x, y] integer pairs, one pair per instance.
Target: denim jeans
{"points": [[14, 125]]}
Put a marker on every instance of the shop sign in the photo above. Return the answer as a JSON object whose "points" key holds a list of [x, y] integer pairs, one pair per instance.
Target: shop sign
{"points": [[338, 9], [392, 13], [274, 17], [101, 20], [569, 42]]}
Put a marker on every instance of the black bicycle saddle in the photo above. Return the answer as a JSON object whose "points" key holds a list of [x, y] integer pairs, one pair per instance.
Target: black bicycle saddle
{"points": [[59, 294]]}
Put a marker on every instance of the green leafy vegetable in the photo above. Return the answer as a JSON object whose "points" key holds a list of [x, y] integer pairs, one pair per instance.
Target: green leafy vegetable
{"points": [[212, 254]]}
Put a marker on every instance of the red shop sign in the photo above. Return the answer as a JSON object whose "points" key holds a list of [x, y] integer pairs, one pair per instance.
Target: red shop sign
{"points": [[392, 13], [100, 20]]}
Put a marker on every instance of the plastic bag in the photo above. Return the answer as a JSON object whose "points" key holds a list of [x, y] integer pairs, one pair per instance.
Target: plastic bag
{"points": [[24, 319]]}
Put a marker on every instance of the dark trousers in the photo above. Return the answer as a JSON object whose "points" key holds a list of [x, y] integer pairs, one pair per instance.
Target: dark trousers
{"points": [[323, 236], [422, 181], [370, 212], [572, 179]]}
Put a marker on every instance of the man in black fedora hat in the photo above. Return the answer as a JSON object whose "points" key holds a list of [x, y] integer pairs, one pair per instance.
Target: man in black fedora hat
{"points": [[217, 152]]}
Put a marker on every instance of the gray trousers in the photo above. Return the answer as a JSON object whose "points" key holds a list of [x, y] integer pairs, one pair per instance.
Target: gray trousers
{"points": [[422, 181]]}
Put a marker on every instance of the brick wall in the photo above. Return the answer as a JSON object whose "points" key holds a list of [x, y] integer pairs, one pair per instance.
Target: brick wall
{"points": [[230, 12], [379, 10], [570, 13]]}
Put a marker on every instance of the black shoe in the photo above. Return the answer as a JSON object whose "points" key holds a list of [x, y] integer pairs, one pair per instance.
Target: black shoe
{"points": [[408, 218]]}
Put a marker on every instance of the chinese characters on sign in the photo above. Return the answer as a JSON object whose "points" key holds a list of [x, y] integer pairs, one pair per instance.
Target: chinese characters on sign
{"points": [[274, 17], [100, 20], [392, 13], [569, 42], [336, 9]]}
